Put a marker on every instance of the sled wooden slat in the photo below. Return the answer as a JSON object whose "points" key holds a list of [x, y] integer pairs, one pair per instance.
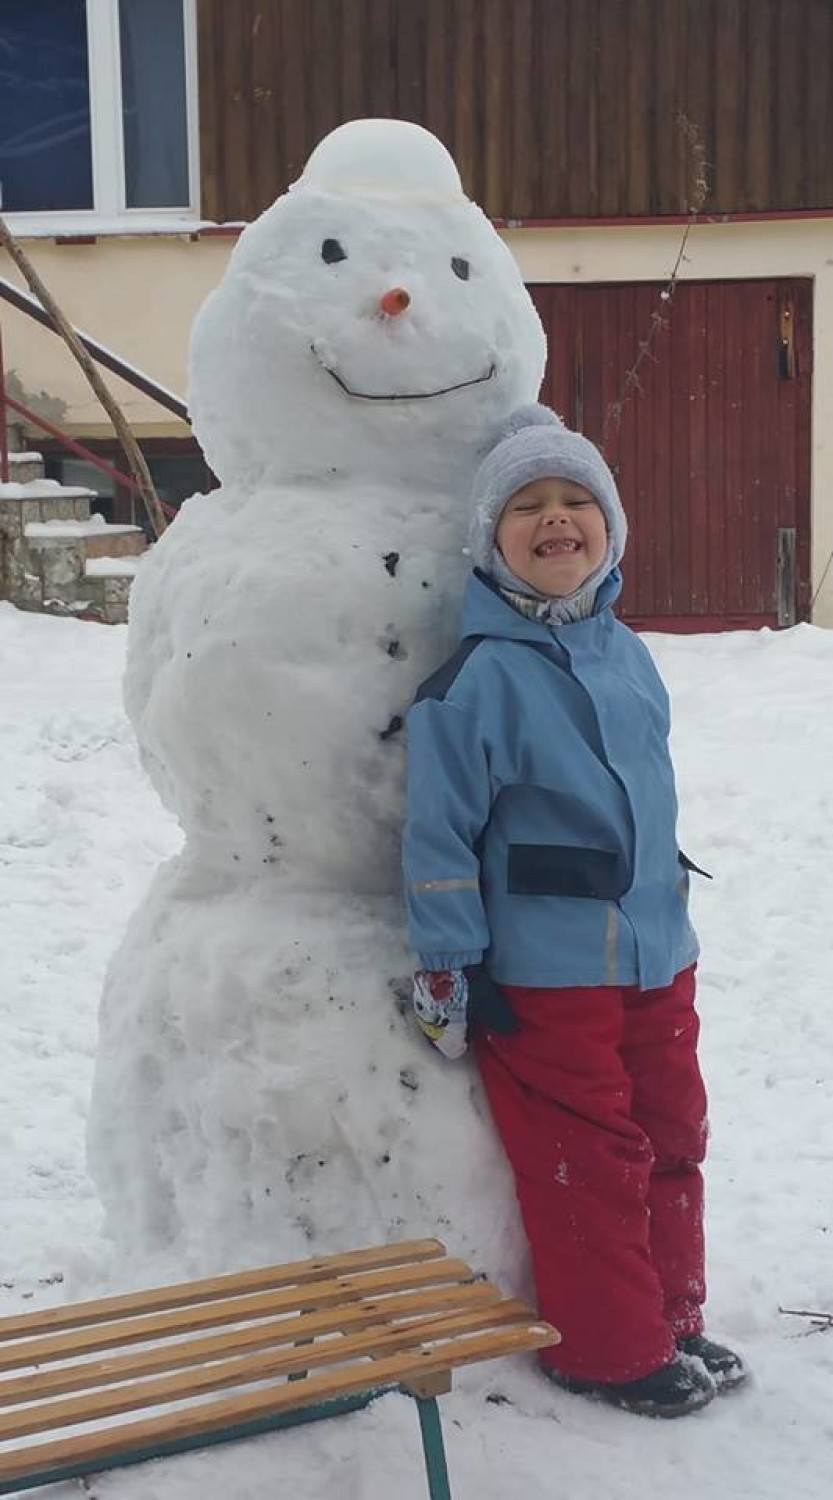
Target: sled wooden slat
{"points": [[312, 1295], [323, 1337], [200, 1380], [434, 1301], [236, 1284]]}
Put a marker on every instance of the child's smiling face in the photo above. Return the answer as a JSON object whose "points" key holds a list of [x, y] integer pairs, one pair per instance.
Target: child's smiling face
{"points": [[552, 535]]}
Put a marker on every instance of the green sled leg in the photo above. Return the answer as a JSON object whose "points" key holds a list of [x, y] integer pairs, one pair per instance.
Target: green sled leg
{"points": [[432, 1445]]}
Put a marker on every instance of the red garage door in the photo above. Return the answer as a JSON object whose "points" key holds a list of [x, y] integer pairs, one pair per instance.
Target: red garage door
{"points": [[712, 452]]}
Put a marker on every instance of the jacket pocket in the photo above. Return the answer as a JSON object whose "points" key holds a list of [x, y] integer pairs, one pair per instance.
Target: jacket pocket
{"points": [[564, 870], [693, 869]]}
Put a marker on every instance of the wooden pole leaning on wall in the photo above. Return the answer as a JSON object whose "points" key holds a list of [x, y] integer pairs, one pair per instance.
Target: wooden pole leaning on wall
{"points": [[132, 451]]}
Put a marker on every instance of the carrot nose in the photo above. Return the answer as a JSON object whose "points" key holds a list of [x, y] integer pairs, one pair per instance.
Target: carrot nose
{"points": [[395, 301]]}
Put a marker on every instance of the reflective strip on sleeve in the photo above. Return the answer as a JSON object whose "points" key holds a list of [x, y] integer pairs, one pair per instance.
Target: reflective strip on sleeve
{"points": [[446, 885]]}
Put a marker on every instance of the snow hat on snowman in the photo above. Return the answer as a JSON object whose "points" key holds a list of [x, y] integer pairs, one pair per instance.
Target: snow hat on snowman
{"points": [[534, 444]]}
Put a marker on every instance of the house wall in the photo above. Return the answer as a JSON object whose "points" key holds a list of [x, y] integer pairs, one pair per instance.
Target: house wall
{"points": [[139, 296]]}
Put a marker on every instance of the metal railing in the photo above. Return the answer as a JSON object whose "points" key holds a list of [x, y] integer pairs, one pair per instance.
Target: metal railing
{"points": [[71, 443], [100, 353]]}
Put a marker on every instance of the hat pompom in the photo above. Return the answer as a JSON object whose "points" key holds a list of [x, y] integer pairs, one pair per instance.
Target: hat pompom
{"points": [[532, 415]]}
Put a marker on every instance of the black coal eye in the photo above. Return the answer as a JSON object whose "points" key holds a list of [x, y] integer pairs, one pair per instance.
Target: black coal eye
{"points": [[460, 267], [332, 252]]}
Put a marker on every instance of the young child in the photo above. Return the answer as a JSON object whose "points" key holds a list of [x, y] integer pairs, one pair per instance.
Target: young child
{"points": [[548, 903]]}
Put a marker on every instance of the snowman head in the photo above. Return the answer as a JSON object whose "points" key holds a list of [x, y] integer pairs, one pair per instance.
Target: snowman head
{"points": [[370, 323]]}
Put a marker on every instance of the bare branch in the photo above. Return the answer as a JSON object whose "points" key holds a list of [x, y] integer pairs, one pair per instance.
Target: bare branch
{"points": [[820, 1319], [699, 192]]}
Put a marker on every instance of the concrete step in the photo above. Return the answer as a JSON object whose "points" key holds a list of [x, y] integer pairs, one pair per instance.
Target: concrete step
{"points": [[44, 489], [87, 564], [118, 542], [99, 538], [39, 500], [25, 466], [106, 588], [58, 558]]}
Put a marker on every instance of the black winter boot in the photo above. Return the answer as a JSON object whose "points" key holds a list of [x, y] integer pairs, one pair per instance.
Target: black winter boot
{"points": [[674, 1390], [726, 1368]]}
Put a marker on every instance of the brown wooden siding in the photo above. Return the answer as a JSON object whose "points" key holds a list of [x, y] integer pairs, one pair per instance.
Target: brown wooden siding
{"points": [[553, 108]]}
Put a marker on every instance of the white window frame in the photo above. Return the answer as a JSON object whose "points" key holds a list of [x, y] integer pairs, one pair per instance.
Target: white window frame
{"points": [[111, 214]]}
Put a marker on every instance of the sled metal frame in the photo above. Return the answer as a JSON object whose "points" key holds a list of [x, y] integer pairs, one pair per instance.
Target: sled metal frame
{"points": [[295, 1343], [436, 1468]]}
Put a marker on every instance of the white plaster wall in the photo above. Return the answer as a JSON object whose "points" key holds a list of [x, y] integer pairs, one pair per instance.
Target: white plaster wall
{"points": [[139, 296]]}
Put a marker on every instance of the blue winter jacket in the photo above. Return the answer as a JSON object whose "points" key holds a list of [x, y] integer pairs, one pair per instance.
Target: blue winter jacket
{"points": [[541, 829]]}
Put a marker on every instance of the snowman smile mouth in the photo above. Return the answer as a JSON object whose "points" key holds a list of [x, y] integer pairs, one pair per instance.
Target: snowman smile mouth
{"points": [[445, 390], [553, 548]]}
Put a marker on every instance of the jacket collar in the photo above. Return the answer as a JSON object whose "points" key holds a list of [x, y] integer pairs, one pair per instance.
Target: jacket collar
{"points": [[487, 612]]}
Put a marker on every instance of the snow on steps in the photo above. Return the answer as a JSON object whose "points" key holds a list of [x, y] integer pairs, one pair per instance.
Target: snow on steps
{"points": [[111, 567], [56, 557]]}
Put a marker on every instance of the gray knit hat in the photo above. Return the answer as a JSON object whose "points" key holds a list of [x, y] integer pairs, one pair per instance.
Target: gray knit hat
{"points": [[535, 444]]}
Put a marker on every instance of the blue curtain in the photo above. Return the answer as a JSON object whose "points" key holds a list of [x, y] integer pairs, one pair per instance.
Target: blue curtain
{"points": [[45, 152], [153, 99]]}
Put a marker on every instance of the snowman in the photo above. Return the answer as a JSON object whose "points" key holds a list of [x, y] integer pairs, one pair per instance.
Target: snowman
{"points": [[259, 1091]]}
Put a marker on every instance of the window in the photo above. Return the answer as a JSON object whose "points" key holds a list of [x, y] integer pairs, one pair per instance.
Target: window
{"points": [[97, 107], [45, 142], [154, 119]]}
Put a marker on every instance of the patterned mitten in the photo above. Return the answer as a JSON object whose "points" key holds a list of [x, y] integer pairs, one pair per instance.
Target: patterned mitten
{"points": [[440, 1003], [447, 1001]]}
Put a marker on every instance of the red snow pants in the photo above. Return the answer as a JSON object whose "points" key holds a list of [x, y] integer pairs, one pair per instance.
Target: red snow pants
{"points": [[600, 1105]]}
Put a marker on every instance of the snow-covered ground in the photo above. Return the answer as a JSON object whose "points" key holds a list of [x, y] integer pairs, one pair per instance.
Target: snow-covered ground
{"points": [[80, 834]]}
